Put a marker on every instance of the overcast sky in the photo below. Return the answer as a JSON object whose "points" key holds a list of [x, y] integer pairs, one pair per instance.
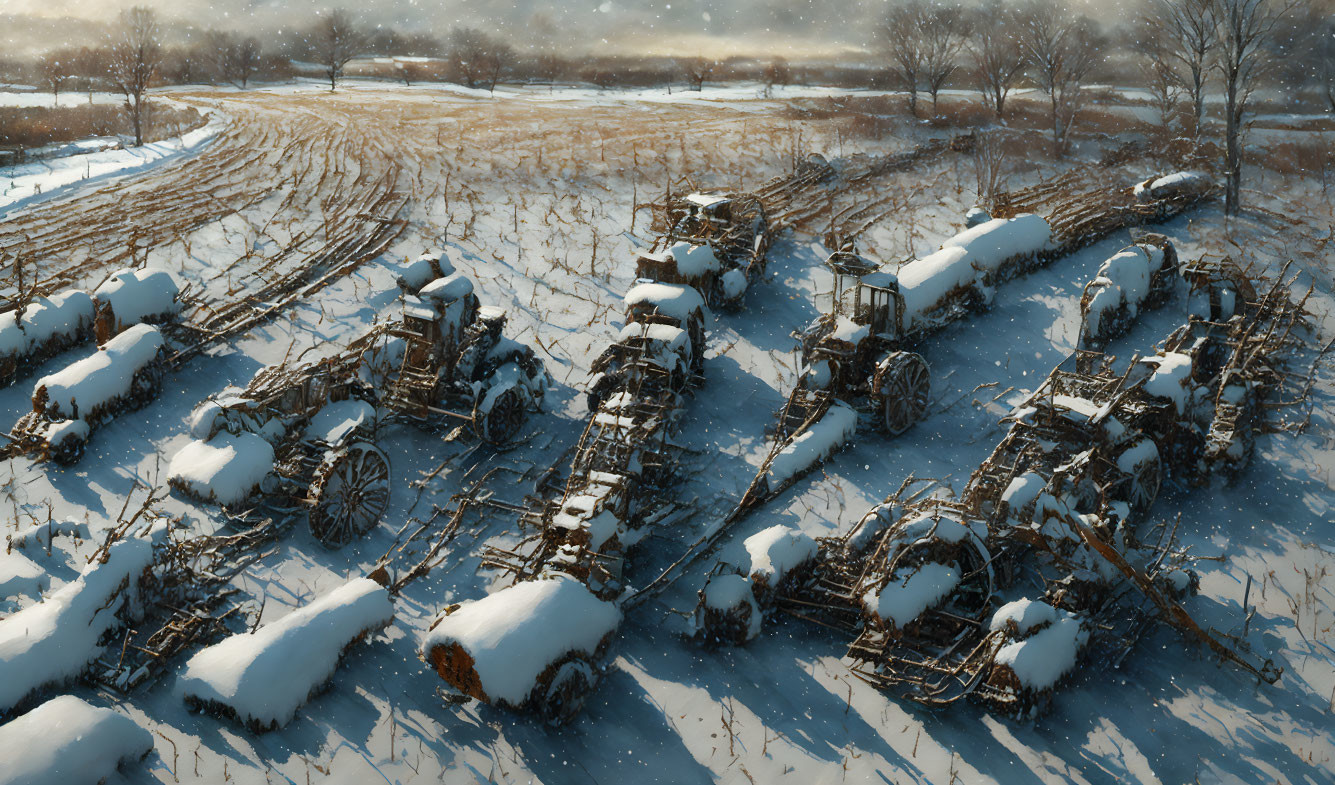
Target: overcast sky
{"points": [[796, 28]]}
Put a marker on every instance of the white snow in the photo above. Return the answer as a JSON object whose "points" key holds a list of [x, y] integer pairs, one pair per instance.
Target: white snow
{"points": [[101, 378], [224, 470], [734, 284], [67, 741], [428, 267], [970, 258], [822, 439], [337, 419], [1123, 281], [52, 641], [848, 331], [778, 550], [30, 182], [1140, 453], [727, 592], [145, 295], [678, 301], [448, 289], [1168, 185], [692, 260], [20, 576], [912, 590], [1040, 660], [515, 633], [1024, 614], [66, 315], [1023, 490], [266, 675], [1170, 379]]}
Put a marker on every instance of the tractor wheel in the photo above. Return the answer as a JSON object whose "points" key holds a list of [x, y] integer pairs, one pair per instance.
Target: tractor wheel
{"points": [[349, 493], [500, 423], [564, 697], [903, 383]]}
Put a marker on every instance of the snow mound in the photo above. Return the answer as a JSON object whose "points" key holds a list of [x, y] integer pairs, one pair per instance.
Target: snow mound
{"points": [[145, 295], [66, 316], [53, 641], [337, 419], [1021, 616], [265, 676], [777, 551], [678, 301], [225, 470], [107, 375], [515, 634], [448, 289], [67, 740], [1170, 379], [1040, 660], [694, 261], [20, 576], [912, 590], [970, 258], [821, 440]]}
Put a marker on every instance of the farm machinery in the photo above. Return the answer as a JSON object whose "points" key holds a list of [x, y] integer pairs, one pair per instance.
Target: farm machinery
{"points": [[859, 355], [302, 436], [937, 595], [716, 243]]}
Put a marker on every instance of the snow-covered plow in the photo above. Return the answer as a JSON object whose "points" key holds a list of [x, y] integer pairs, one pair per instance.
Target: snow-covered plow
{"points": [[858, 355], [303, 436], [938, 594]]}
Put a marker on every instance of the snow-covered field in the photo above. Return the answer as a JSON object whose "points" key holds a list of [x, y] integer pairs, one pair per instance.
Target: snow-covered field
{"points": [[541, 186]]}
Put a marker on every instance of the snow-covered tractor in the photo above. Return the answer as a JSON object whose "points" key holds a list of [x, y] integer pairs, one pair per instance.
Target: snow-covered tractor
{"points": [[717, 243], [662, 344], [295, 439], [457, 362], [939, 595]]}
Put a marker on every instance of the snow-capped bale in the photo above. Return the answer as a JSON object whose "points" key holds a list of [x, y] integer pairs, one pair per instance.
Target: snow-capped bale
{"points": [[1019, 617], [1173, 185], [776, 553], [976, 216], [426, 268], [47, 324], [1022, 491], [970, 259], [727, 612], [225, 470], [67, 741], [820, 441], [873, 523], [1123, 284], [502, 648], [263, 677], [448, 289], [53, 641], [911, 591], [1171, 379], [97, 382], [148, 295], [1143, 452], [674, 300], [1038, 660], [694, 261]]}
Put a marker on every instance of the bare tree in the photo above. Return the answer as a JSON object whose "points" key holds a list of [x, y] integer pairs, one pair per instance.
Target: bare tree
{"points": [[990, 166], [1061, 50], [1326, 62], [998, 59], [777, 73], [1157, 70], [337, 40], [1189, 30], [696, 70], [245, 57], [56, 69], [471, 56], [1244, 27], [902, 39], [136, 54], [943, 32]]}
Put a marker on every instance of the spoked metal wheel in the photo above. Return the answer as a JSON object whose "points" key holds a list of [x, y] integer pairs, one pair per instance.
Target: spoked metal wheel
{"points": [[904, 384], [349, 494], [502, 422]]}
